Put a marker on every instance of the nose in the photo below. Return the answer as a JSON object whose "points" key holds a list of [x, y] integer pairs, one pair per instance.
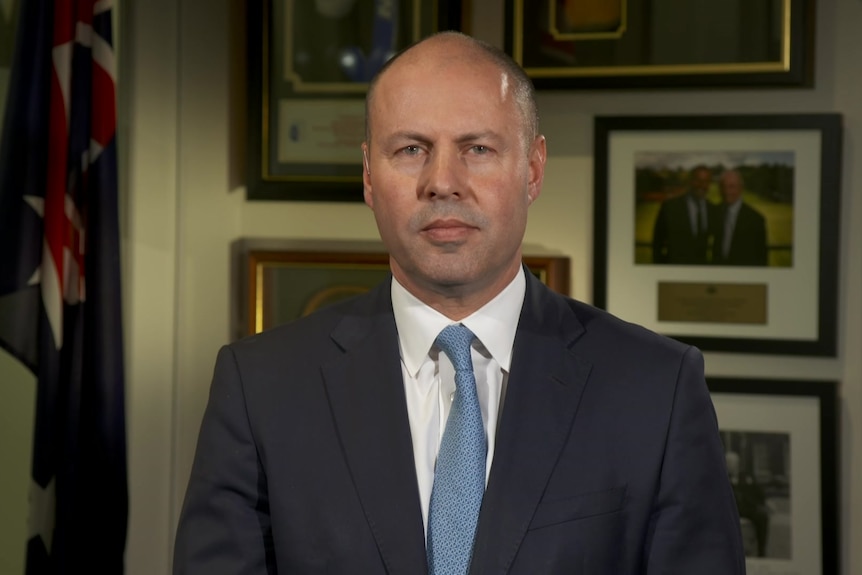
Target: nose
{"points": [[443, 175]]}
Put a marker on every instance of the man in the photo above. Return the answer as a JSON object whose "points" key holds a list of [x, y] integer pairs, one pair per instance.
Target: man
{"points": [[598, 446], [740, 233], [750, 501], [681, 230]]}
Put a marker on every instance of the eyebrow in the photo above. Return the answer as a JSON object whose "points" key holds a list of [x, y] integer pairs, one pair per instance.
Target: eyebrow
{"points": [[474, 136], [405, 136], [462, 139]]}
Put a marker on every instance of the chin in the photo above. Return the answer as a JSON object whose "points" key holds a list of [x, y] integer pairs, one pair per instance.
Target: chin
{"points": [[454, 277]]}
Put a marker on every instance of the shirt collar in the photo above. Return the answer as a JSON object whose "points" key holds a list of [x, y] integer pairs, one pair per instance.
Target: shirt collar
{"points": [[494, 324], [734, 207]]}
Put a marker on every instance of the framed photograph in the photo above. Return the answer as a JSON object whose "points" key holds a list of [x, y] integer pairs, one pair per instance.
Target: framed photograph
{"points": [[309, 63], [780, 443], [721, 231], [662, 43], [283, 285]]}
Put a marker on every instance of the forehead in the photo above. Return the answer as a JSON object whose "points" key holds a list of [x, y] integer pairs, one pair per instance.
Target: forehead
{"points": [[443, 54], [430, 79], [730, 179]]}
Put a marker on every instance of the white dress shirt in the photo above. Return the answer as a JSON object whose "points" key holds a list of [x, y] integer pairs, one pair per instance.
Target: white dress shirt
{"points": [[730, 215], [429, 377], [697, 214]]}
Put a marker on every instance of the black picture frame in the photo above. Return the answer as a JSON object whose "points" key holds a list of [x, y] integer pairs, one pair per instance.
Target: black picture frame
{"points": [[800, 299], [801, 418], [639, 45], [303, 120]]}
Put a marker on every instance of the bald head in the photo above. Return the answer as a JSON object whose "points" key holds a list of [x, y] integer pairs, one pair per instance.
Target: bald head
{"points": [[434, 53], [731, 186]]}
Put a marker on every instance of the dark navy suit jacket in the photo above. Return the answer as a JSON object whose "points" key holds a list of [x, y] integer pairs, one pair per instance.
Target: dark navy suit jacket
{"points": [[673, 240], [748, 244], [608, 457]]}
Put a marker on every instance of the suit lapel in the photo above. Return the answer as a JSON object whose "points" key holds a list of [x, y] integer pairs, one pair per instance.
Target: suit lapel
{"points": [[545, 385], [366, 392]]}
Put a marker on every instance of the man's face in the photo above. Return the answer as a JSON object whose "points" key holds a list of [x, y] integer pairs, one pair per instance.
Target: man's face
{"points": [[700, 181], [448, 173], [731, 187]]}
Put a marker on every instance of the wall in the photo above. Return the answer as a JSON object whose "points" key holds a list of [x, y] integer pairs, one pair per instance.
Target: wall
{"points": [[561, 220], [182, 119], [17, 405]]}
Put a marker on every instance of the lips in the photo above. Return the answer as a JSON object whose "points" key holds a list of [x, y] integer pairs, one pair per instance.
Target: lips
{"points": [[448, 230]]}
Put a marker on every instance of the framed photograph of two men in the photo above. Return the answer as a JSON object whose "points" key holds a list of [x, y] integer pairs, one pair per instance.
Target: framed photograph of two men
{"points": [[662, 43], [721, 231], [309, 63]]}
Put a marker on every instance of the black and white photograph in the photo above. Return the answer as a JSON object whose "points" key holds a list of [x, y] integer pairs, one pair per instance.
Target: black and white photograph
{"points": [[779, 439], [758, 466]]}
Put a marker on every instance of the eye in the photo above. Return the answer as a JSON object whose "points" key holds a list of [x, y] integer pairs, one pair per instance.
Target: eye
{"points": [[480, 150], [411, 150]]}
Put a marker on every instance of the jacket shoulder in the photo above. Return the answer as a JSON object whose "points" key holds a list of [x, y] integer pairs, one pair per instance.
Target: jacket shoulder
{"points": [[608, 337]]}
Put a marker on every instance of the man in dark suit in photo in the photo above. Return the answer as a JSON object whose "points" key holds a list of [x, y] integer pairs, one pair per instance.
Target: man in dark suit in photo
{"points": [[681, 233], [460, 417], [750, 501], [740, 231]]}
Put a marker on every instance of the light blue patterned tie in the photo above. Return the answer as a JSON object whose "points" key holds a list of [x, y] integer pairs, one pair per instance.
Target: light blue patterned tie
{"points": [[459, 477]]}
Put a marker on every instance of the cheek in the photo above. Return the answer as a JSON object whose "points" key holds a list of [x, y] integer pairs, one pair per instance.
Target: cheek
{"points": [[510, 218], [391, 216]]}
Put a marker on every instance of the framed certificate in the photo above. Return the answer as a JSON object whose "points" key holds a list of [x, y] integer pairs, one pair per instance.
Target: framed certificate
{"points": [[309, 64]]}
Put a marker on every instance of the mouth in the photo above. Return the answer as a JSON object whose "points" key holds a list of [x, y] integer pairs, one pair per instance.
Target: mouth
{"points": [[448, 230]]}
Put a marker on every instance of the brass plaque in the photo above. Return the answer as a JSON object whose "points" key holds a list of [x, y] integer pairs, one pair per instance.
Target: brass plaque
{"points": [[712, 302]]}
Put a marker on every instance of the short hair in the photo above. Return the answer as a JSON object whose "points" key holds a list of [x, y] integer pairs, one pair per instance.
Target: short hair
{"points": [[524, 91]]}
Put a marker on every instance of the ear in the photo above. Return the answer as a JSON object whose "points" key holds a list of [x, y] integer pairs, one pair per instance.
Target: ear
{"points": [[366, 177], [536, 159]]}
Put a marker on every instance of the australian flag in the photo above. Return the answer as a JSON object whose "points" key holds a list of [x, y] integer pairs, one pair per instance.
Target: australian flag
{"points": [[60, 280]]}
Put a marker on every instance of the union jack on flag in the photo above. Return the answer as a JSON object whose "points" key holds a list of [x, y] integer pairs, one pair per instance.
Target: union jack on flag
{"points": [[60, 308]]}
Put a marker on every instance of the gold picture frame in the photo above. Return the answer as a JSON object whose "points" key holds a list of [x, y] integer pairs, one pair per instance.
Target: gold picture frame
{"points": [[564, 44], [279, 285]]}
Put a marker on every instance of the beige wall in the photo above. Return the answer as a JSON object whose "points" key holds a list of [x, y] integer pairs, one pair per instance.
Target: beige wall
{"points": [[181, 119]]}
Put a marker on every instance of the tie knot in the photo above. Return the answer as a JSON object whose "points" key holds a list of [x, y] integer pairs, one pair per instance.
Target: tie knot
{"points": [[455, 342]]}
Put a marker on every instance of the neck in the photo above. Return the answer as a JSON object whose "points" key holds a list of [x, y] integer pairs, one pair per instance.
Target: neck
{"points": [[457, 301]]}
